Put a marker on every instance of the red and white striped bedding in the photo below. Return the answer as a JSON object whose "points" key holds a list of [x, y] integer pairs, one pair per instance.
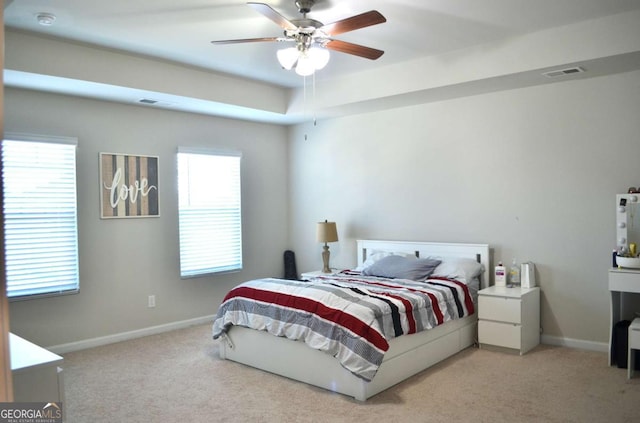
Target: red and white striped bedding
{"points": [[349, 316]]}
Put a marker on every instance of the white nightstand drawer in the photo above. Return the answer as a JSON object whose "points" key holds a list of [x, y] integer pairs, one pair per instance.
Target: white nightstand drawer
{"points": [[501, 334], [624, 280], [501, 309]]}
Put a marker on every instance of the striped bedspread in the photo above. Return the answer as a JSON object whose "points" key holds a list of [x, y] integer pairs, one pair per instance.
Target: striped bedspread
{"points": [[349, 316]]}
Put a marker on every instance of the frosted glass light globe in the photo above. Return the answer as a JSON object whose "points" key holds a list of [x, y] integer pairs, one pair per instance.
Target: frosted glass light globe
{"points": [[287, 57]]}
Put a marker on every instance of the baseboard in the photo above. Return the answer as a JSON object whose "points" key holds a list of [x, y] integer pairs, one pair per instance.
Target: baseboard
{"points": [[575, 343], [125, 336]]}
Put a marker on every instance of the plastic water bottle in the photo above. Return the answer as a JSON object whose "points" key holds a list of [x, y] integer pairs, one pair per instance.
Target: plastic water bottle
{"points": [[514, 273]]}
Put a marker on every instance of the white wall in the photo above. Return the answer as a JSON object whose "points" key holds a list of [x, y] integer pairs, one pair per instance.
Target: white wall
{"points": [[122, 261], [533, 172]]}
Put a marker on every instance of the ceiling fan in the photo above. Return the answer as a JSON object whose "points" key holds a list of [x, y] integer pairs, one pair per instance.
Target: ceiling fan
{"points": [[313, 39]]}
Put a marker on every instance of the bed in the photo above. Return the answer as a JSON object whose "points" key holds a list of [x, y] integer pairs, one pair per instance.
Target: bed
{"points": [[403, 356]]}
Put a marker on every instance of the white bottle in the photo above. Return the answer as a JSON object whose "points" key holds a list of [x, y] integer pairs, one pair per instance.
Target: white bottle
{"points": [[514, 273], [500, 275]]}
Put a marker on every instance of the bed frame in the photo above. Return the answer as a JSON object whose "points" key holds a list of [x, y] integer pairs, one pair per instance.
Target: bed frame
{"points": [[407, 355]]}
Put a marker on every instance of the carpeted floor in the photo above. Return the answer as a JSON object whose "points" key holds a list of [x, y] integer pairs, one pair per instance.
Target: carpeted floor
{"points": [[178, 377]]}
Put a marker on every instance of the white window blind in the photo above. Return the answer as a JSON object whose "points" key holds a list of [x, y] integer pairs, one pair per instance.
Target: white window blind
{"points": [[209, 212], [40, 212]]}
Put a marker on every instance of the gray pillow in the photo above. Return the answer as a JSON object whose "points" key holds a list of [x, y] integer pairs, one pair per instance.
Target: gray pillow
{"points": [[402, 268], [460, 268]]}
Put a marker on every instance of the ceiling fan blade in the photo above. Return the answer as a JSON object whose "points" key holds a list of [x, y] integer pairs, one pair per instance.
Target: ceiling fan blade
{"points": [[270, 13], [249, 40], [355, 49], [373, 17]]}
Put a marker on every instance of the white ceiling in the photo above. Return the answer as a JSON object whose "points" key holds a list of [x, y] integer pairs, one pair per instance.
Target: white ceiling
{"points": [[181, 31]]}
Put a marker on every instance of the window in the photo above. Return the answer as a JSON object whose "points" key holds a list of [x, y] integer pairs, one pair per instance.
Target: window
{"points": [[40, 212], [209, 212]]}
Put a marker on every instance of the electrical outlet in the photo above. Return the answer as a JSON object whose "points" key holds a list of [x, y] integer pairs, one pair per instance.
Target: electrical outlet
{"points": [[152, 301]]}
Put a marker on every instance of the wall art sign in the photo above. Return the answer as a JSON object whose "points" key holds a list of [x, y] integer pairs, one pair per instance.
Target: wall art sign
{"points": [[128, 186]]}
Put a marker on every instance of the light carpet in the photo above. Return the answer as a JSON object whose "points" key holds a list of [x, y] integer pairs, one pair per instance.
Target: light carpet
{"points": [[178, 377]]}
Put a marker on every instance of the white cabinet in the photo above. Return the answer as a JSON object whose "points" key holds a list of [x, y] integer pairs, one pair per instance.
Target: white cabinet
{"points": [[36, 372], [509, 317]]}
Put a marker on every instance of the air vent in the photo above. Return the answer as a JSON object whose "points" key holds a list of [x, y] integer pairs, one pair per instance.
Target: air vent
{"points": [[157, 103], [563, 72]]}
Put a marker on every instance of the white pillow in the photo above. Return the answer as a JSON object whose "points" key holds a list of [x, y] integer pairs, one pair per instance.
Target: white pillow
{"points": [[377, 255], [459, 268]]}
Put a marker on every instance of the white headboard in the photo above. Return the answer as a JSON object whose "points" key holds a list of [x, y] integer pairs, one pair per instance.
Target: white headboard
{"points": [[479, 252]]}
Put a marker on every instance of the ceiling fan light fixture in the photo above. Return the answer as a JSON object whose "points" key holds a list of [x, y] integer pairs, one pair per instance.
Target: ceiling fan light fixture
{"points": [[288, 57], [305, 66], [306, 61], [319, 56], [312, 37]]}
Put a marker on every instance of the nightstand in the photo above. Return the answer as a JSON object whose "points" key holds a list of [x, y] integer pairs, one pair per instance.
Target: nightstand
{"points": [[509, 317], [310, 275]]}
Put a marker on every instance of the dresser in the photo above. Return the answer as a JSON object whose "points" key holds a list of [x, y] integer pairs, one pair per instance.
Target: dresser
{"points": [[509, 318], [36, 372]]}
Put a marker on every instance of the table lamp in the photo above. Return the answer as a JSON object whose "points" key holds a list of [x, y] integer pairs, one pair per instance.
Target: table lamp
{"points": [[326, 232]]}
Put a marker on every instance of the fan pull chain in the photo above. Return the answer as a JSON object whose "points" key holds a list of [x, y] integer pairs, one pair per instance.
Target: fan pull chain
{"points": [[304, 101], [313, 101]]}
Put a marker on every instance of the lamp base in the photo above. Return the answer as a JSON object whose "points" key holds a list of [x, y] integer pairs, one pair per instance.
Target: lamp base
{"points": [[325, 259]]}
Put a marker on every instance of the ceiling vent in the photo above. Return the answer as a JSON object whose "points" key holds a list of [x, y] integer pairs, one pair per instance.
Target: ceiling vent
{"points": [[158, 103], [563, 72]]}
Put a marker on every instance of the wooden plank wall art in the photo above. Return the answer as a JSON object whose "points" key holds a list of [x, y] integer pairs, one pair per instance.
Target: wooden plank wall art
{"points": [[128, 186]]}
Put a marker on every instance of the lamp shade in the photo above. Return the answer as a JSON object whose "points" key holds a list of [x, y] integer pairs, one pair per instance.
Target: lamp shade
{"points": [[327, 232]]}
